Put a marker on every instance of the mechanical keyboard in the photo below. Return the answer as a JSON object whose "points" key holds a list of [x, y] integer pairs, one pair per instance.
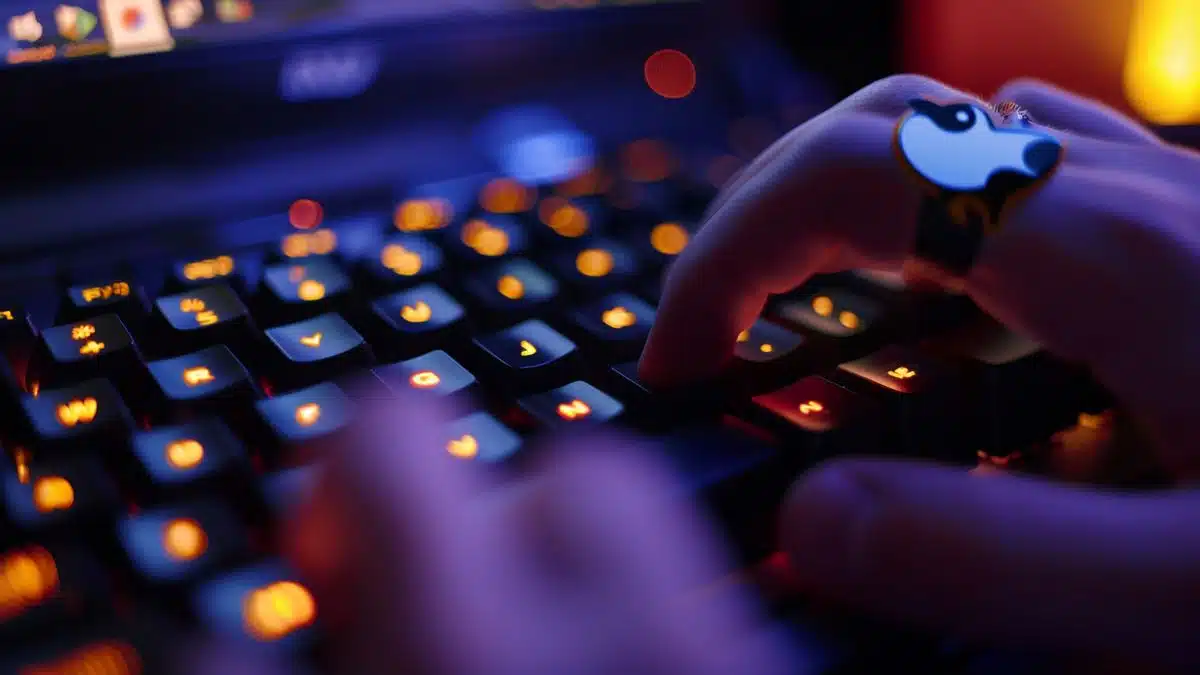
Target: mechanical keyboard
{"points": [[160, 414]]}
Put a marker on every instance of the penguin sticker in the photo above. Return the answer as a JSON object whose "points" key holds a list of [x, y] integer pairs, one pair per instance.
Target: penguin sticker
{"points": [[969, 163]]}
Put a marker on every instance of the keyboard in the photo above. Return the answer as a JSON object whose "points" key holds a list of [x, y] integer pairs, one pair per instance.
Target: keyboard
{"points": [[160, 415]]}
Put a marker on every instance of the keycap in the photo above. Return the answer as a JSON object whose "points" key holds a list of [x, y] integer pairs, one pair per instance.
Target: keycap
{"points": [[820, 419], [316, 349], [574, 404], [403, 260], [210, 381], [43, 586], [616, 325], [505, 195], [112, 296], [181, 543], [57, 492], [96, 347], [202, 317], [225, 269], [598, 266], [197, 456], [143, 645], [416, 320], [285, 490], [302, 289], [919, 394], [662, 242], [260, 605], [530, 355], [306, 244], [486, 238], [435, 373], [512, 290], [657, 410], [304, 416], [768, 357], [765, 342], [570, 220], [481, 438], [831, 312], [85, 416], [434, 206]]}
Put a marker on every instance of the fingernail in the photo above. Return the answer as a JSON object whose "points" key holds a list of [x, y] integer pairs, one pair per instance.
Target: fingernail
{"points": [[820, 522]]}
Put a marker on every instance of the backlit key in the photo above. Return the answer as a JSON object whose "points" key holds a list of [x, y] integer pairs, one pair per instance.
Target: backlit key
{"points": [[487, 238], [435, 373], [574, 404], [511, 289], [97, 347], [503, 195], [83, 416], [316, 349], [317, 242], [832, 312], [417, 319], [60, 492], [112, 296], [570, 220], [226, 269], [664, 241], [404, 259], [530, 355], [46, 585], [178, 544], [212, 381], [617, 325], [434, 206], [481, 438], [264, 605], [303, 288], [187, 458], [200, 318], [306, 415], [765, 342], [823, 418], [599, 265]]}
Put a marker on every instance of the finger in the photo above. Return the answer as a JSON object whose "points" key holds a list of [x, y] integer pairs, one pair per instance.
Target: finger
{"points": [[1001, 559], [887, 97], [1055, 107]]}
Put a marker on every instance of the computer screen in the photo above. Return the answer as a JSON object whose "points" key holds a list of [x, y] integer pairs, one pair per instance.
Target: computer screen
{"points": [[38, 31]]}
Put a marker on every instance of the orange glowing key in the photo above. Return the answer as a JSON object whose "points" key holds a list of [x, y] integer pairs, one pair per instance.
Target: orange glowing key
{"points": [[185, 454], [53, 493], [425, 379], [184, 539], [308, 414], [195, 377]]}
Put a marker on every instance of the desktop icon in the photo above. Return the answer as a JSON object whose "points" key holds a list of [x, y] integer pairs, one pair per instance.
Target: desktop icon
{"points": [[25, 28], [135, 27], [235, 11], [183, 14], [74, 23]]}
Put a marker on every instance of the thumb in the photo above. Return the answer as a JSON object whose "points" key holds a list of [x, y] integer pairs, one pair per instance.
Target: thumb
{"points": [[1002, 558]]}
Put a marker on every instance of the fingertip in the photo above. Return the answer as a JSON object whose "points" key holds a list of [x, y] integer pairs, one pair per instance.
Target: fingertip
{"points": [[822, 516]]}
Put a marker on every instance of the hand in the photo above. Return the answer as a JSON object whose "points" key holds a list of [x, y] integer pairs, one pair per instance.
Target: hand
{"points": [[1101, 266], [423, 563]]}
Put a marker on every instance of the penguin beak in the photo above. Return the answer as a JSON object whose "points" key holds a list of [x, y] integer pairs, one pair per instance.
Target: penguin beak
{"points": [[923, 107]]}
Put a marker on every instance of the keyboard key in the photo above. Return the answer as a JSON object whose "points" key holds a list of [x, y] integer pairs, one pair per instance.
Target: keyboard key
{"points": [[528, 356], [481, 438], [227, 270], [286, 490], [434, 206], [833, 313], [116, 296], [570, 220], [60, 492], [511, 290], [505, 195], [574, 404], [664, 241], [920, 396], [600, 265], [202, 317], [142, 646], [435, 373], [302, 289], [660, 410], [45, 586], [304, 416], [179, 544], [404, 259], [823, 418], [418, 319], [765, 342], [86, 416], [202, 455], [318, 242], [260, 605], [483, 239], [616, 325], [316, 349], [97, 347], [211, 381]]}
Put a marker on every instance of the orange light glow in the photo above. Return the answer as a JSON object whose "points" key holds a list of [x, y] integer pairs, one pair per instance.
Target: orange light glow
{"points": [[305, 214], [210, 268], [618, 318], [426, 379], [308, 414], [191, 305], [118, 289], [400, 260], [83, 331], [566, 219], [811, 408], [510, 287], [91, 348], [506, 196], [743, 336], [184, 539], [207, 317], [528, 349], [463, 448], [669, 238], [594, 262], [848, 319], [671, 74], [185, 454], [277, 610], [310, 290], [103, 658], [21, 460], [485, 239], [574, 410], [1162, 66], [311, 341], [902, 373], [822, 305], [419, 313], [77, 411], [197, 376], [422, 215], [305, 244], [766, 348], [592, 182], [28, 577], [53, 493]]}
